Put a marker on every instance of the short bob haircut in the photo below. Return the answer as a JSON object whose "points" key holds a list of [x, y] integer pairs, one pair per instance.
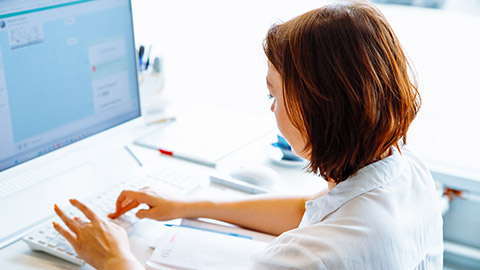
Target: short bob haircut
{"points": [[346, 85]]}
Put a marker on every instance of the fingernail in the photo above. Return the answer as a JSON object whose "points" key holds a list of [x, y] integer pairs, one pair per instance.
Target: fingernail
{"points": [[55, 206], [71, 200], [54, 224]]}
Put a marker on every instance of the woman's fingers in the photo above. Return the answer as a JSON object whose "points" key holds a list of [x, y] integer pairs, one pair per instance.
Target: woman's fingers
{"points": [[85, 210], [72, 225], [80, 221], [95, 240], [72, 239], [120, 201], [123, 205], [144, 213], [123, 209], [129, 199], [139, 196]]}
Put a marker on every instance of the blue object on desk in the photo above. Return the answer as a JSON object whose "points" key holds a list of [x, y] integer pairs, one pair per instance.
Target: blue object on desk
{"points": [[281, 154], [147, 62], [286, 149], [210, 230], [141, 52]]}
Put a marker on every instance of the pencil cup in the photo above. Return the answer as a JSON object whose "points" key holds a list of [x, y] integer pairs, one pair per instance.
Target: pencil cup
{"points": [[151, 88]]}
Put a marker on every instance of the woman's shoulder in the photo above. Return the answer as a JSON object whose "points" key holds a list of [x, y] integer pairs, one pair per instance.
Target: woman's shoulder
{"points": [[378, 185], [393, 221]]}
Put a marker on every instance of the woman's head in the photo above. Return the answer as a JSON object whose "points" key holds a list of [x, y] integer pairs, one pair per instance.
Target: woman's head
{"points": [[345, 86]]}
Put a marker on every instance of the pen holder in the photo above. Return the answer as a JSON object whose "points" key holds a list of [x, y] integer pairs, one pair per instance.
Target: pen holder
{"points": [[151, 90]]}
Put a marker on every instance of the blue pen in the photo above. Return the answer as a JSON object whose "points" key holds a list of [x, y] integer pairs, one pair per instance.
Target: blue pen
{"points": [[141, 52], [209, 230], [147, 63]]}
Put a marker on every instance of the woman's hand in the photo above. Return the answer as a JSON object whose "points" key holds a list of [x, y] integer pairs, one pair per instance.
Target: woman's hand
{"points": [[160, 208], [100, 243]]}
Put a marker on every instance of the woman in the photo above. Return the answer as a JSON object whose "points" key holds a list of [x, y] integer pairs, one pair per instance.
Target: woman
{"points": [[343, 99]]}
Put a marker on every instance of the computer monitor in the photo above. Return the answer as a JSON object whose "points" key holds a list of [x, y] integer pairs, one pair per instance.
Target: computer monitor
{"points": [[67, 72]]}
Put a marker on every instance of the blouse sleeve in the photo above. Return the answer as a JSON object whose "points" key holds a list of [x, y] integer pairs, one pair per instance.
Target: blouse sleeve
{"points": [[288, 251]]}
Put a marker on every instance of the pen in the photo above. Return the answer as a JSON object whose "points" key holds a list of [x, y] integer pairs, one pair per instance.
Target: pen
{"points": [[141, 52], [237, 184], [190, 158], [210, 230], [147, 63], [133, 155]]}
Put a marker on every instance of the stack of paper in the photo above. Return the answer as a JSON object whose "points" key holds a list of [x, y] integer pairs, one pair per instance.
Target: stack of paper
{"points": [[186, 248], [208, 134]]}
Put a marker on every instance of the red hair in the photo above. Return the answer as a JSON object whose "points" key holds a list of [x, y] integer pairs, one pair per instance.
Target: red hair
{"points": [[346, 85]]}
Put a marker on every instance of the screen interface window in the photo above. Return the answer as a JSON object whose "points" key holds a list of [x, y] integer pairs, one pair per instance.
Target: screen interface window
{"points": [[67, 71]]}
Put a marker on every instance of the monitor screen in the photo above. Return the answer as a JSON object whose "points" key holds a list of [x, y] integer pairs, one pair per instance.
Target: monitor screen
{"points": [[67, 72]]}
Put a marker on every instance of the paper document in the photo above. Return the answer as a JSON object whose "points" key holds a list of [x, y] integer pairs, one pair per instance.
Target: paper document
{"points": [[185, 248], [208, 134]]}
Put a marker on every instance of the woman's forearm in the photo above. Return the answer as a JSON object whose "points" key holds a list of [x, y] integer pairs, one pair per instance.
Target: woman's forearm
{"points": [[273, 215]]}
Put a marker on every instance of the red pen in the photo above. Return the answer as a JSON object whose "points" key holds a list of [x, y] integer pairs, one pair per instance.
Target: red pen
{"points": [[190, 158]]}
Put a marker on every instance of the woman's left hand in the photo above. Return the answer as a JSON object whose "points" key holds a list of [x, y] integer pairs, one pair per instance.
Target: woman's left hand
{"points": [[102, 244]]}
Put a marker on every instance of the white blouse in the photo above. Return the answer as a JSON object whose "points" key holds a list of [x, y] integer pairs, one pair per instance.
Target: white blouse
{"points": [[385, 216]]}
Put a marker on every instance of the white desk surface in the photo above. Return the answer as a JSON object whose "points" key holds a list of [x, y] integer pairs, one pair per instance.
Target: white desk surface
{"points": [[213, 56]]}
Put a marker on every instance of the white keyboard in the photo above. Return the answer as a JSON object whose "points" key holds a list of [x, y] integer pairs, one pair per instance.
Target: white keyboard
{"points": [[28, 178], [169, 181]]}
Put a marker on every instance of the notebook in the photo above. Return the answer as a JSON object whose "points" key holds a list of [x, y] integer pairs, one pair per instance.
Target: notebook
{"points": [[209, 134], [187, 248]]}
